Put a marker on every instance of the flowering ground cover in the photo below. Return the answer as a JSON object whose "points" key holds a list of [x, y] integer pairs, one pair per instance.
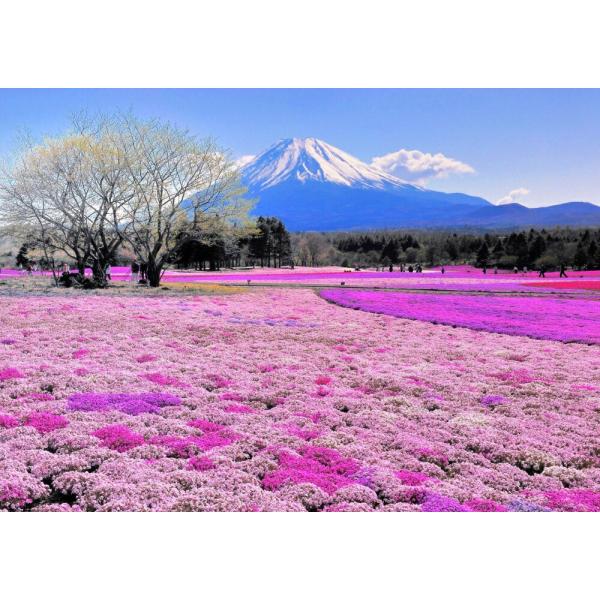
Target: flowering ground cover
{"points": [[565, 320], [455, 278], [561, 284], [275, 399]]}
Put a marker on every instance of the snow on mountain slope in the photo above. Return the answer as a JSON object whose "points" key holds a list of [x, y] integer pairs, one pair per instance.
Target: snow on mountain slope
{"points": [[310, 159]]}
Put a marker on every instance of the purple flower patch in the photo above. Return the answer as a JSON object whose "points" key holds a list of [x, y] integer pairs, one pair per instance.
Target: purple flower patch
{"points": [[131, 404]]}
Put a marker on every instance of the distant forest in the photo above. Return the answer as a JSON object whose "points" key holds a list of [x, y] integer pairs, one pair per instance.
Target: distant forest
{"points": [[273, 246], [270, 245], [576, 248]]}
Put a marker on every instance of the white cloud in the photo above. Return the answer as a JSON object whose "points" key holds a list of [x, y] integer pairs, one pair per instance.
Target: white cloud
{"points": [[242, 161], [414, 165], [513, 196]]}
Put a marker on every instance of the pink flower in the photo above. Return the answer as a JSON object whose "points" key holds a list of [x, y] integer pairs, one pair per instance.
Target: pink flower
{"points": [[483, 505], [323, 467], [118, 437], [230, 396], [201, 463], [8, 421], [239, 409], [42, 396], [322, 392], [45, 422], [162, 379], [492, 401], [205, 426], [144, 358], [10, 373], [220, 381], [411, 477]]}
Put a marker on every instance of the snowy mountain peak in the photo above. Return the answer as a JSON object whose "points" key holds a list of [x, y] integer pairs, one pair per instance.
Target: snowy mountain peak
{"points": [[311, 159]]}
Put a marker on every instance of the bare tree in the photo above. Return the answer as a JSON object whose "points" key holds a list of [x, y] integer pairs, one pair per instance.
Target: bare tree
{"points": [[65, 195], [177, 182], [120, 181]]}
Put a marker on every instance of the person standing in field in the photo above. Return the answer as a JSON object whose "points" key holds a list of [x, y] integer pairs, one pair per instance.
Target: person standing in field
{"points": [[562, 271], [135, 271], [143, 271], [107, 272], [391, 268], [542, 272]]}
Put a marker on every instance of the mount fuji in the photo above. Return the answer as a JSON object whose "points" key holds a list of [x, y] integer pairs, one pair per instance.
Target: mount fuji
{"points": [[312, 185]]}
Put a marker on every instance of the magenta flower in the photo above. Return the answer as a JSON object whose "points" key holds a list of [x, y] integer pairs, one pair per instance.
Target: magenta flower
{"points": [[323, 467], [162, 379], [118, 437], [144, 358], [230, 396], [220, 381], [412, 478], [45, 422], [205, 426], [239, 409], [492, 401], [574, 500], [8, 421], [483, 505], [180, 447], [436, 503], [201, 463], [10, 373], [42, 396]]}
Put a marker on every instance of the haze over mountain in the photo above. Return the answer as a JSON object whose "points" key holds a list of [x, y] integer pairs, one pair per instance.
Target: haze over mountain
{"points": [[312, 185]]}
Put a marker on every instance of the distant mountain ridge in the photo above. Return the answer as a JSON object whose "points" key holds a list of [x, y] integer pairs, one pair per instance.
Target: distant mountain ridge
{"points": [[312, 185]]}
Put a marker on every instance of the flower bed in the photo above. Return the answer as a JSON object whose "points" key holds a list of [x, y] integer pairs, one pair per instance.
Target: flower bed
{"points": [[276, 400], [455, 278], [565, 320]]}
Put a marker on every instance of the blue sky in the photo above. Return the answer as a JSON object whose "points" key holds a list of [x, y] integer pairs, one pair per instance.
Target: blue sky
{"points": [[543, 144]]}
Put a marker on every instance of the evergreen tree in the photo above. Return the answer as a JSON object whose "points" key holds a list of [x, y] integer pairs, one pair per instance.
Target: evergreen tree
{"points": [[581, 256], [483, 254]]}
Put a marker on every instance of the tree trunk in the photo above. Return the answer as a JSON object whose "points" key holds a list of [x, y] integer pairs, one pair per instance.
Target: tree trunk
{"points": [[99, 273], [154, 273]]}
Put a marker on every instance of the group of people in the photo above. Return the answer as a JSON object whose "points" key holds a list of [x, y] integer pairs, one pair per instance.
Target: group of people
{"points": [[562, 272], [541, 273], [417, 268], [139, 272], [30, 268]]}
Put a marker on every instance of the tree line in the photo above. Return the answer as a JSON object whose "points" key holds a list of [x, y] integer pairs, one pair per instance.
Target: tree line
{"points": [[548, 248], [267, 244]]}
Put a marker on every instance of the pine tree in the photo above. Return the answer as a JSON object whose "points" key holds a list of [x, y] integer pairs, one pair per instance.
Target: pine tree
{"points": [[483, 254], [581, 256]]}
